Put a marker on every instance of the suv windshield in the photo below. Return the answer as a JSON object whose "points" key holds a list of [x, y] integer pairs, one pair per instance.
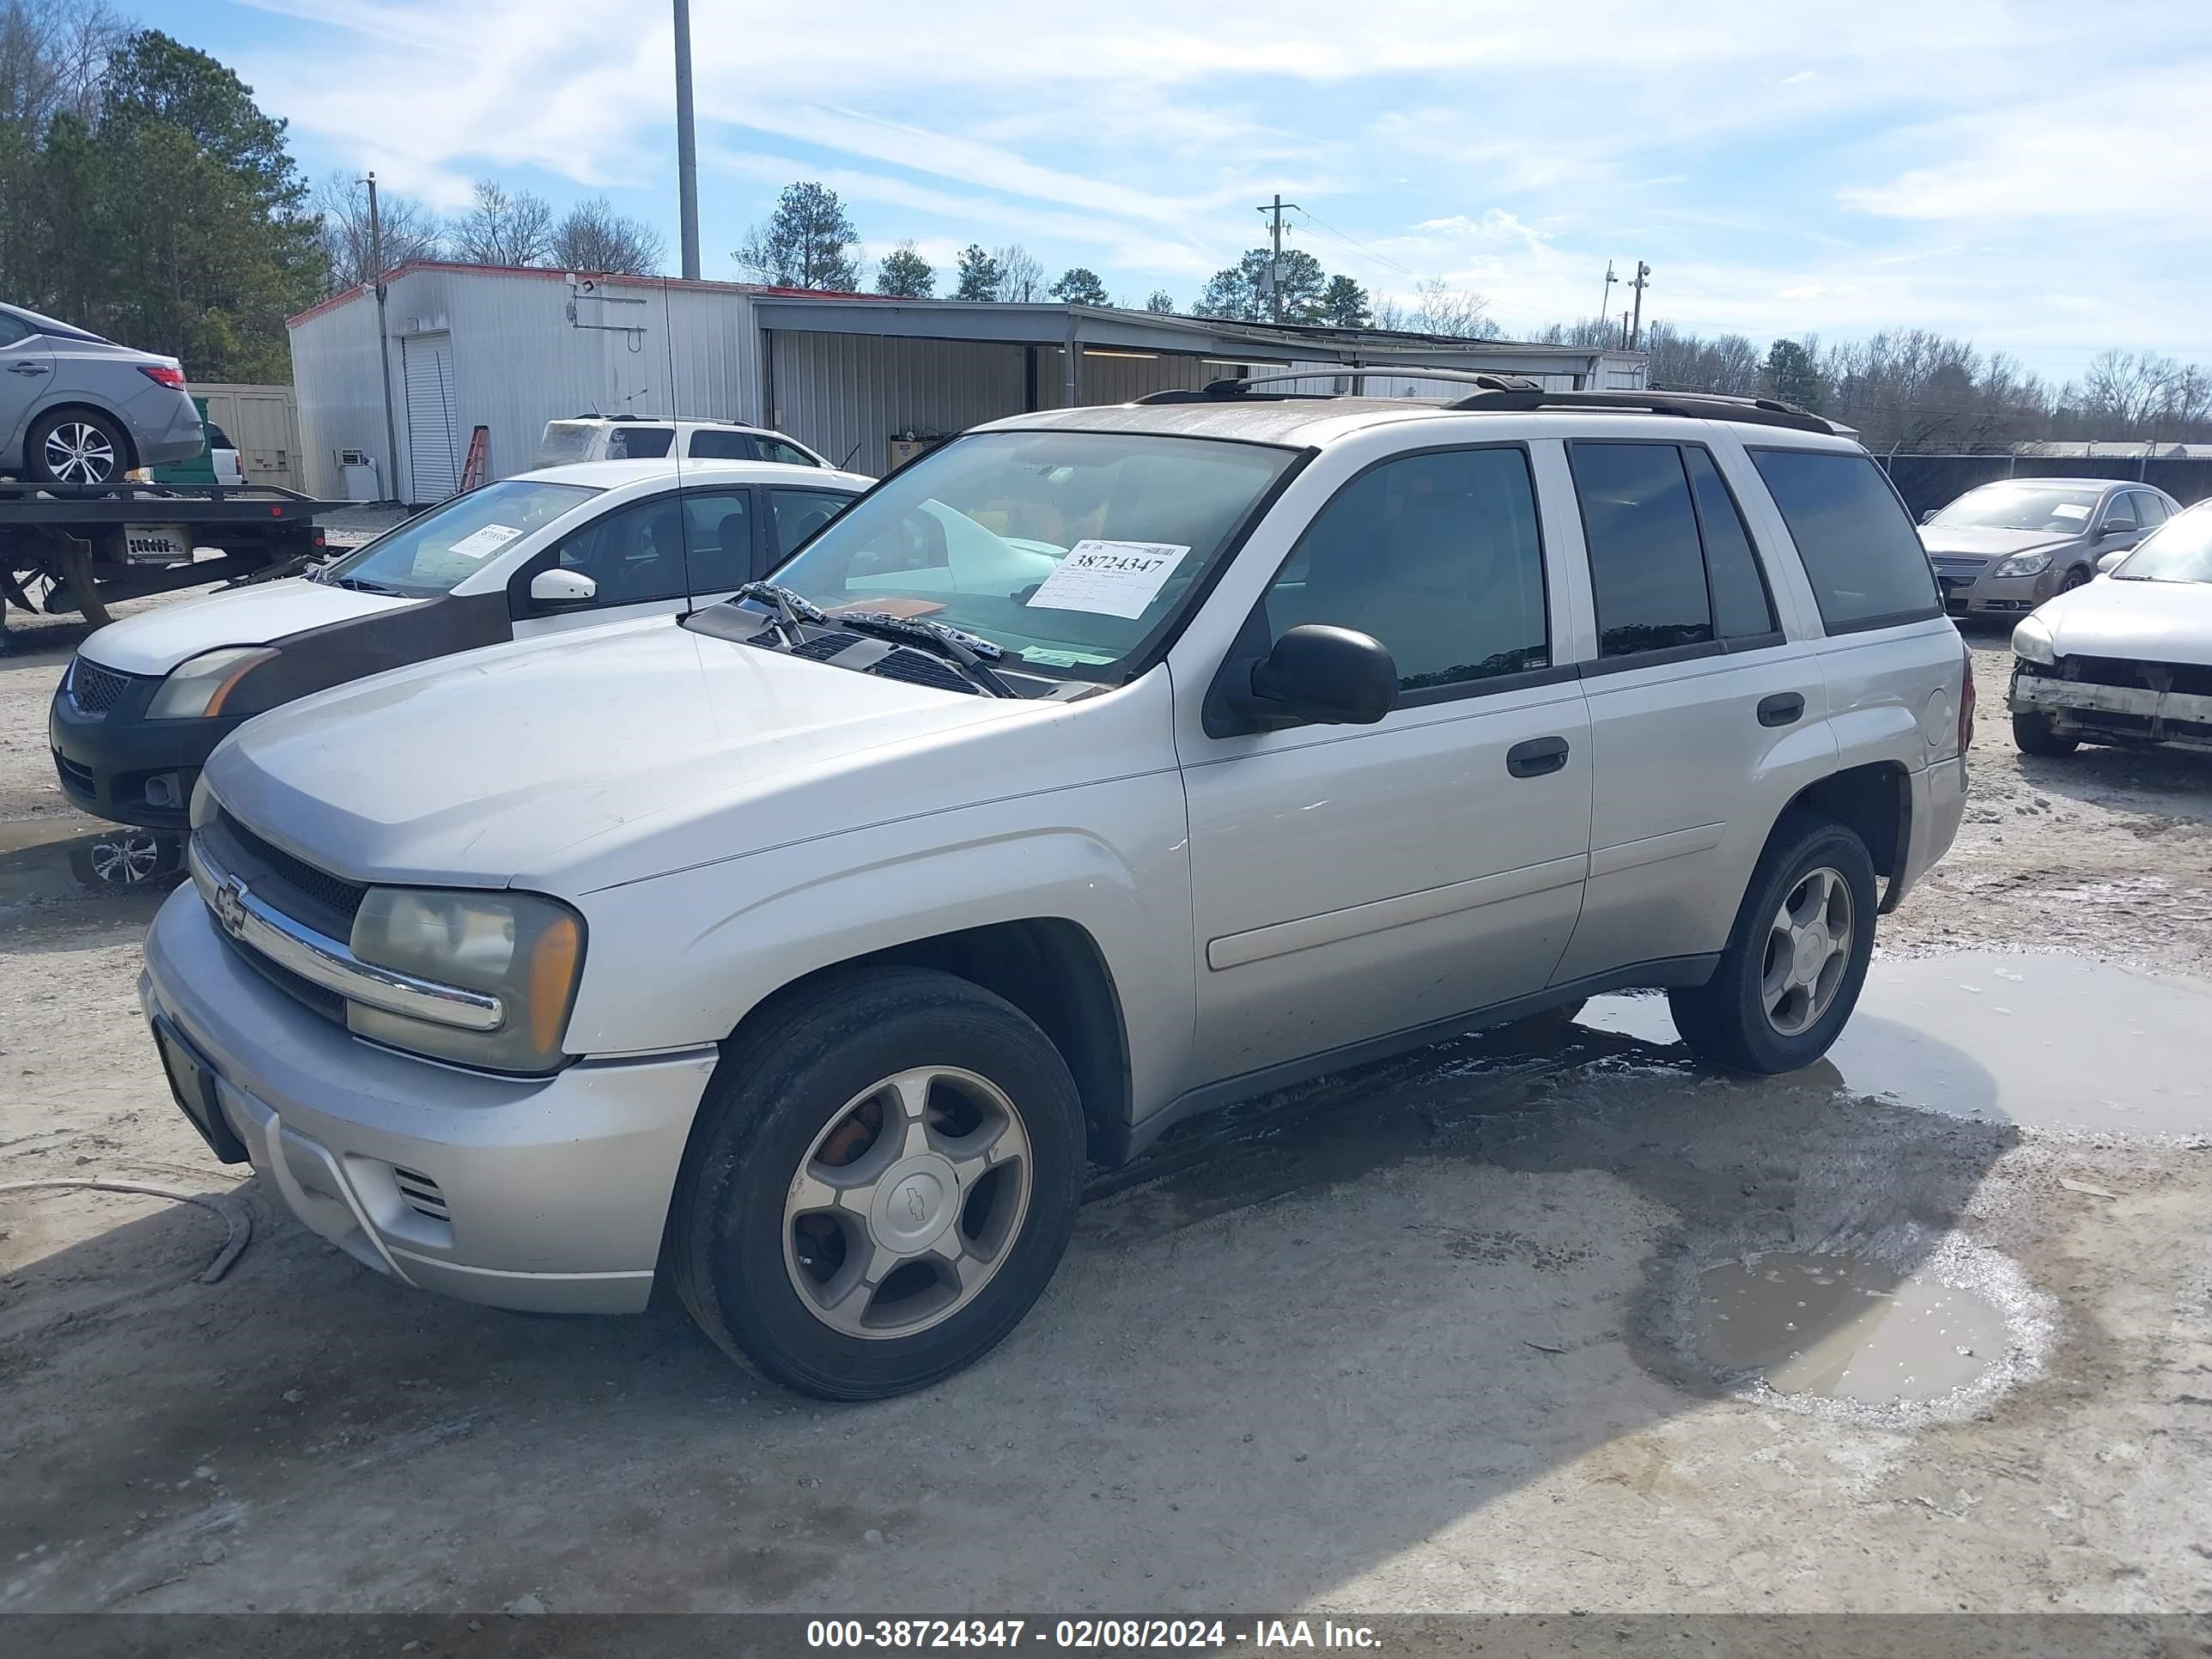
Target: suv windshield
{"points": [[2179, 550], [1069, 550], [2021, 506], [568, 440], [431, 552]]}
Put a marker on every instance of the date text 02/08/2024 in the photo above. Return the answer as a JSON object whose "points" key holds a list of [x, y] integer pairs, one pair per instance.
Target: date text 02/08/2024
{"points": [[1083, 1634]]}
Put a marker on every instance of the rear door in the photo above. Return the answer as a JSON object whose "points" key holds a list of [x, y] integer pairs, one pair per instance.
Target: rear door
{"points": [[26, 379], [722, 542], [1701, 706]]}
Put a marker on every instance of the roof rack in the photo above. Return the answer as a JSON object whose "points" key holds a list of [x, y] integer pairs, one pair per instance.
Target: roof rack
{"points": [[1508, 394], [1225, 390]]}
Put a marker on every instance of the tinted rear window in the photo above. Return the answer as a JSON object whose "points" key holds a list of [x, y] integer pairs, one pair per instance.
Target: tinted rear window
{"points": [[1861, 552], [1646, 570]]}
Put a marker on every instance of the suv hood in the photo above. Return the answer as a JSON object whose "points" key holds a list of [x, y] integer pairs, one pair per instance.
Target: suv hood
{"points": [[2145, 622], [567, 764], [1987, 543], [155, 642]]}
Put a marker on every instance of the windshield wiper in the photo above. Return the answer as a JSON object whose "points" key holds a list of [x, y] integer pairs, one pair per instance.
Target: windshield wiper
{"points": [[791, 609], [970, 653], [363, 584]]}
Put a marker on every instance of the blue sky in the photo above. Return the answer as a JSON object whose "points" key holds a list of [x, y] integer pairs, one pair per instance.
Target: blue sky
{"points": [[2036, 177]]}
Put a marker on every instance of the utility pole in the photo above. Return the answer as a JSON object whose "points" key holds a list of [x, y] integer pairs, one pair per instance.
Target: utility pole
{"points": [[687, 144], [390, 483], [1605, 298], [1636, 329], [1275, 265], [1624, 330]]}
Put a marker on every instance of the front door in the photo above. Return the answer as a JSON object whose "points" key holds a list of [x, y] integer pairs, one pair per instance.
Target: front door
{"points": [[635, 558], [1350, 882]]}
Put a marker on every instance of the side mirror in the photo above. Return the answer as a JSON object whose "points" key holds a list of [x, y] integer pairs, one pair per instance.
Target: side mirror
{"points": [[1929, 517], [2113, 530], [2108, 562], [1323, 675], [562, 589]]}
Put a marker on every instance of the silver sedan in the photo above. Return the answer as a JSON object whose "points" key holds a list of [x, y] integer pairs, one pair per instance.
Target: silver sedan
{"points": [[2005, 547], [76, 408]]}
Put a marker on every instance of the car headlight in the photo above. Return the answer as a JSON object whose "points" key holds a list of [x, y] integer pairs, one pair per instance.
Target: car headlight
{"points": [[2024, 564], [2031, 642], [197, 688], [527, 951], [204, 804]]}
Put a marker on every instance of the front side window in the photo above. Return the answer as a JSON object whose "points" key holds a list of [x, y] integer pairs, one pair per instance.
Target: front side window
{"points": [[1647, 569], [1435, 554], [632, 555], [1861, 552], [1070, 550], [2121, 515], [431, 553]]}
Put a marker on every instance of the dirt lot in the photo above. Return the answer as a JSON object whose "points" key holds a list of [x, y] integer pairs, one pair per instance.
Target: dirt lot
{"points": [[1438, 1335]]}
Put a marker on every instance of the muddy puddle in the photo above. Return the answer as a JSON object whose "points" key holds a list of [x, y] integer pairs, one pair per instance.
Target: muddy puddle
{"points": [[2047, 1042], [1846, 1328]]}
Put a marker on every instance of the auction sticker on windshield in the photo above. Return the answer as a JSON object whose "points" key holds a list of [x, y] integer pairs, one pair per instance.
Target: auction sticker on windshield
{"points": [[1108, 579], [2070, 510], [482, 543]]}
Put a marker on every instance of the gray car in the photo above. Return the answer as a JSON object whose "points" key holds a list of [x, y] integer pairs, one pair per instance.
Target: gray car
{"points": [[2005, 547], [76, 409]]}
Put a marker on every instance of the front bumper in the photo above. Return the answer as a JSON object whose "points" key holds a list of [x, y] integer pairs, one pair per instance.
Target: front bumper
{"points": [[2113, 713], [546, 1194], [1998, 596], [107, 762]]}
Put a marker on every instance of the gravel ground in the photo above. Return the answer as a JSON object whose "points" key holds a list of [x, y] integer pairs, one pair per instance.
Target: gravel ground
{"points": [[1422, 1339]]}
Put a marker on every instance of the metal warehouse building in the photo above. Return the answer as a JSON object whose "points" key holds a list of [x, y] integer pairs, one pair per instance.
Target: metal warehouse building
{"points": [[447, 348]]}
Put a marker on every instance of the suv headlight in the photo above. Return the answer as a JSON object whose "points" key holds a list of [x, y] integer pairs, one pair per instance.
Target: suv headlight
{"points": [[2024, 564], [525, 949], [197, 688], [2031, 642]]}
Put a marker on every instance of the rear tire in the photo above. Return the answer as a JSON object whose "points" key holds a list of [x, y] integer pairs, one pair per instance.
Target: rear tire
{"points": [[1771, 1006], [2033, 735], [885, 1173], [76, 445]]}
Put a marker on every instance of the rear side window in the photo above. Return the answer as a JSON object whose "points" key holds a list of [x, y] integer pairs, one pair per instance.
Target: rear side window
{"points": [[722, 446], [1741, 607], [639, 443], [1646, 567], [2149, 508], [1861, 552]]}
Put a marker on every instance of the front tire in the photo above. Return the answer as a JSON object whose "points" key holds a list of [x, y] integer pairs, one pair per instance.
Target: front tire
{"points": [[2031, 734], [1796, 958], [885, 1174]]}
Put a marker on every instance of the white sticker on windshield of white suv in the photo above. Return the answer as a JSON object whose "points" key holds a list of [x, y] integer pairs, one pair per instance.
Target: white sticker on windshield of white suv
{"points": [[2070, 510], [1108, 579], [486, 542]]}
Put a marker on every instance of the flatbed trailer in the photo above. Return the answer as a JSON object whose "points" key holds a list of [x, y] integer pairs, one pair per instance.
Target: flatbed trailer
{"points": [[84, 547]]}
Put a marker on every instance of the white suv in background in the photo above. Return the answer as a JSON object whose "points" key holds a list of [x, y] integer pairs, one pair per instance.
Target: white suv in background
{"points": [[1101, 768], [638, 438]]}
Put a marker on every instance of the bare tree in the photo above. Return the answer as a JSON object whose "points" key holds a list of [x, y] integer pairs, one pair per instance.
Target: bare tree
{"points": [[52, 54], [410, 230], [502, 228], [1440, 308], [1389, 313], [592, 236], [2140, 389], [1021, 278]]}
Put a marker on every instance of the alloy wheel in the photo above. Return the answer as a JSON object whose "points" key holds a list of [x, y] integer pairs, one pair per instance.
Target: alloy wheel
{"points": [[1808, 951], [907, 1203], [126, 860], [77, 451]]}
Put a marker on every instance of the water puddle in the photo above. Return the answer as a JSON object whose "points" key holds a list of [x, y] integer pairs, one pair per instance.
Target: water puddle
{"points": [[115, 864], [2049, 1041], [1844, 1327]]}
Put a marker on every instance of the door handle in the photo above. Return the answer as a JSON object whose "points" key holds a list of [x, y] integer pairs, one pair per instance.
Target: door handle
{"points": [[29, 369], [1533, 758], [1783, 708]]}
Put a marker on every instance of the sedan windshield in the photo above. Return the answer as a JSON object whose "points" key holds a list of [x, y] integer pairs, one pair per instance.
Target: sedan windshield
{"points": [[1069, 550], [2022, 507], [2179, 550], [432, 552]]}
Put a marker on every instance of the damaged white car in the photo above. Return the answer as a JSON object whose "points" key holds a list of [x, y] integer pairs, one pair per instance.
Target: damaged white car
{"points": [[2127, 659]]}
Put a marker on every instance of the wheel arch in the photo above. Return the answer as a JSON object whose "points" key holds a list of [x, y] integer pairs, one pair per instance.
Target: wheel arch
{"points": [[1874, 801], [1051, 969], [78, 401]]}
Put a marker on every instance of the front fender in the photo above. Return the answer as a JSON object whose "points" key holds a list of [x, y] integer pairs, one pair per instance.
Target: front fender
{"points": [[682, 958]]}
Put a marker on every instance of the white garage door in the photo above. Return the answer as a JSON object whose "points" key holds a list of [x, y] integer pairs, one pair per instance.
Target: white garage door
{"points": [[433, 446]]}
